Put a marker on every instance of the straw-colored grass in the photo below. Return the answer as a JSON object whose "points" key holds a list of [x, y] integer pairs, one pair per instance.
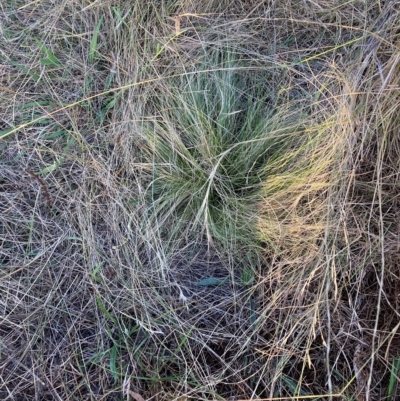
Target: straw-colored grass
{"points": [[199, 200]]}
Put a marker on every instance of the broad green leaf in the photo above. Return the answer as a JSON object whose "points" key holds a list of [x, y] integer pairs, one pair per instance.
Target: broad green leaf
{"points": [[52, 167], [46, 61], [50, 59], [4, 132]]}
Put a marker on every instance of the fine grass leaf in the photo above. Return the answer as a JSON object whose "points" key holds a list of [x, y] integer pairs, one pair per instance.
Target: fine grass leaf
{"points": [[210, 281], [113, 362], [108, 82], [393, 379], [247, 276], [293, 386], [58, 162], [104, 310], [107, 108], [55, 135], [253, 317], [289, 40], [120, 18], [93, 42], [74, 239], [95, 272], [35, 76], [34, 104], [184, 339]]}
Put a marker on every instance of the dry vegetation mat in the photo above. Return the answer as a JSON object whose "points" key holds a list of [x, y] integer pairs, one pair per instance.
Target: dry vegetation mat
{"points": [[199, 200]]}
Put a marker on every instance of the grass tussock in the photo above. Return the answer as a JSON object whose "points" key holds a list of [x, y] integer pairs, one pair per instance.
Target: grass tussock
{"points": [[199, 200]]}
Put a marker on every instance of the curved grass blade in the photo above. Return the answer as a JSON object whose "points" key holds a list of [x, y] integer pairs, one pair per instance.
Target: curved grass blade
{"points": [[93, 42]]}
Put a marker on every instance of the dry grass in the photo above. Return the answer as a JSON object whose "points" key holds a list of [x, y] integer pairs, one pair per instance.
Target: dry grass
{"points": [[199, 200]]}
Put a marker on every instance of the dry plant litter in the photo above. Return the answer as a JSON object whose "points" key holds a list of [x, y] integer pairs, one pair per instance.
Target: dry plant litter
{"points": [[199, 200]]}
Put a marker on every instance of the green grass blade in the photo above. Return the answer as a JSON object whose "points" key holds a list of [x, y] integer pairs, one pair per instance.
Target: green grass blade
{"points": [[394, 379], [113, 362], [210, 281], [93, 42], [106, 313], [120, 18], [55, 135], [35, 76], [34, 104], [50, 59], [294, 387], [46, 61], [58, 162], [95, 272]]}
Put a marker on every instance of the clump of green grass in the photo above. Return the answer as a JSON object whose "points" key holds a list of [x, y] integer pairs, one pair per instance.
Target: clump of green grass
{"points": [[216, 133]]}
